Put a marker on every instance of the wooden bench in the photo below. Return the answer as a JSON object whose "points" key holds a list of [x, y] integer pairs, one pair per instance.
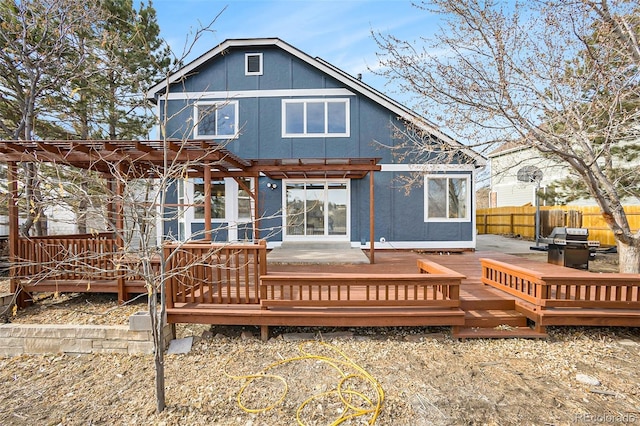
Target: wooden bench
{"points": [[568, 296], [429, 297]]}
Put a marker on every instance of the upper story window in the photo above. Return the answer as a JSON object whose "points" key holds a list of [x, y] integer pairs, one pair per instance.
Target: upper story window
{"points": [[216, 120], [447, 198], [253, 64], [315, 117]]}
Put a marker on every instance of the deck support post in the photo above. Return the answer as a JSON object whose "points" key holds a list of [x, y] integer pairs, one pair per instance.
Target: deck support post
{"points": [[264, 333], [22, 299], [119, 225]]}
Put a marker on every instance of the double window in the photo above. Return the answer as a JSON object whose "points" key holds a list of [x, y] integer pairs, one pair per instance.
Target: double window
{"points": [[315, 117], [216, 120], [447, 198]]}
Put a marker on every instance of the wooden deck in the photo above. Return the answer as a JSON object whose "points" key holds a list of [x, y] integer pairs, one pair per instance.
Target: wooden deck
{"points": [[482, 294], [478, 310], [553, 295]]}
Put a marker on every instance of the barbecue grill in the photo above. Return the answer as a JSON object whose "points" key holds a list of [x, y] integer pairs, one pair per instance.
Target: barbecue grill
{"points": [[570, 247]]}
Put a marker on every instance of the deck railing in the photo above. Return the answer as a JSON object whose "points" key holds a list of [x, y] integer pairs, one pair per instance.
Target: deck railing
{"points": [[215, 273], [441, 289], [68, 257], [578, 289]]}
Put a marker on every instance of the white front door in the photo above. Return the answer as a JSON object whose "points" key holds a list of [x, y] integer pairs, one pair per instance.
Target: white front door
{"points": [[316, 209]]}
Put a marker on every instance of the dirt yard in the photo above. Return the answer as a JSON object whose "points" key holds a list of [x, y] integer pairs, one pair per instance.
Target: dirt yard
{"points": [[576, 376]]}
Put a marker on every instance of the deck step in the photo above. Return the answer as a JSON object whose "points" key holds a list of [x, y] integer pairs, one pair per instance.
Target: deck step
{"points": [[497, 333], [486, 305], [494, 318], [484, 298]]}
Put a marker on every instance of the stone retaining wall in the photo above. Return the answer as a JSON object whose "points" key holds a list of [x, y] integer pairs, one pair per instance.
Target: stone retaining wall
{"points": [[30, 339]]}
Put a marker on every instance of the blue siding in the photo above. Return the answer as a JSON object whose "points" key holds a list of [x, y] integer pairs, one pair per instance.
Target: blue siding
{"points": [[271, 210], [220, 231], [399, 216]]}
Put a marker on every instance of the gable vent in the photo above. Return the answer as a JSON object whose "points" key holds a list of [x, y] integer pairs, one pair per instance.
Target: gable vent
{"points": [[253, 64]]}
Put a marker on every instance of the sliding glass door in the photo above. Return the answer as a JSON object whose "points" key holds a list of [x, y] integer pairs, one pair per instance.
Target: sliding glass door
{"points": [[316, 210]]}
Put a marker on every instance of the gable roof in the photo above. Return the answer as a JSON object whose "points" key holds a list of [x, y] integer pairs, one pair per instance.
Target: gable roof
{"points": [[508, 148], [349, 81]]}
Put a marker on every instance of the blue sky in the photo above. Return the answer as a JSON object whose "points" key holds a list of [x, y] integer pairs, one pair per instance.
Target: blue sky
{"points": [[337, 31]]}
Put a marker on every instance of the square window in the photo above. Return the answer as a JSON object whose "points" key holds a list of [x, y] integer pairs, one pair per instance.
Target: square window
{"points": [[253, 64], [447, 198]]}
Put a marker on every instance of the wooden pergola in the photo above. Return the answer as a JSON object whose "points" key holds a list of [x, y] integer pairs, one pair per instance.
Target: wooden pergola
{"points": [[152, 158]]}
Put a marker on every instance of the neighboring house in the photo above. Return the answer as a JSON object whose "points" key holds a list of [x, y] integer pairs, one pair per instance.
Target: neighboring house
{"points": [[510, 165], [319, 136]]}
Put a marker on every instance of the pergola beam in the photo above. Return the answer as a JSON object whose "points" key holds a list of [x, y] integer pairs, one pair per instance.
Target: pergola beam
{"points": [[136, 158]]}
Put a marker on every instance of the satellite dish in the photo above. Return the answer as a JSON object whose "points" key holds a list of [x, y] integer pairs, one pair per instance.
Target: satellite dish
{"points": [[530, 174]]}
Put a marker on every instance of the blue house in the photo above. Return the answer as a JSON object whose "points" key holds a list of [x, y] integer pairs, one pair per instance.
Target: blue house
{"points": [[307, 156]]}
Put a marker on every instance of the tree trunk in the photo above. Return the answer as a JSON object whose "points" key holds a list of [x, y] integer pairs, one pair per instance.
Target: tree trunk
{"points": [[629, 257], [160, 391], [157, 329]]}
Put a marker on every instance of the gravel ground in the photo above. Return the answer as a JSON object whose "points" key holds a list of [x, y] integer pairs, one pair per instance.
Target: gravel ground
{"points": [[427, 378], [576, 376]]}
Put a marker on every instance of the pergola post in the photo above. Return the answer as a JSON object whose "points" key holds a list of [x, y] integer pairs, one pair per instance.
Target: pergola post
{"points": [[207, 201], [14, 231], [119, 231], [256, 208], [371, 218]]}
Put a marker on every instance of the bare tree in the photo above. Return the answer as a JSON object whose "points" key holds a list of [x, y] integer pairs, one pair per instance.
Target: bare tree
{"points": [[560, 76]]}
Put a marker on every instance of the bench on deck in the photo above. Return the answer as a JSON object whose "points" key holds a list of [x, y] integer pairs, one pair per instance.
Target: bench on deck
{"points": [[572, 297], [430, 297]]}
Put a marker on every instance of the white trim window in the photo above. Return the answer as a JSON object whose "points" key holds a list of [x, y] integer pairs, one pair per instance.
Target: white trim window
{"points": [[253, 64], [316, 209], [218, 200], [315, 118], [216, 119], [447, 198], [245, 205]]}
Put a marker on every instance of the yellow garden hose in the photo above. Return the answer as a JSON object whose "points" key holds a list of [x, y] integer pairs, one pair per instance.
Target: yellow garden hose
{"points": [[355, 404]]}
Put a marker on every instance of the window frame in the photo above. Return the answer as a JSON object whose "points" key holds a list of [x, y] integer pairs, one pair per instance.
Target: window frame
{"points": [[196, 118], [199, 206], [239, 196], [467, 198], [246, 63], [305, 123]]}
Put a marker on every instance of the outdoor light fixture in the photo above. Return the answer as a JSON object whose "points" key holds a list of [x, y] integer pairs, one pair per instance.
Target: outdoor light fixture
{"points": [[272, 185]]}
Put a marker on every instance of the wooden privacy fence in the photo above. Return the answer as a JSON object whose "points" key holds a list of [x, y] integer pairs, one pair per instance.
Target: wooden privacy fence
{"points": [[521, 221], [214, 273]]}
